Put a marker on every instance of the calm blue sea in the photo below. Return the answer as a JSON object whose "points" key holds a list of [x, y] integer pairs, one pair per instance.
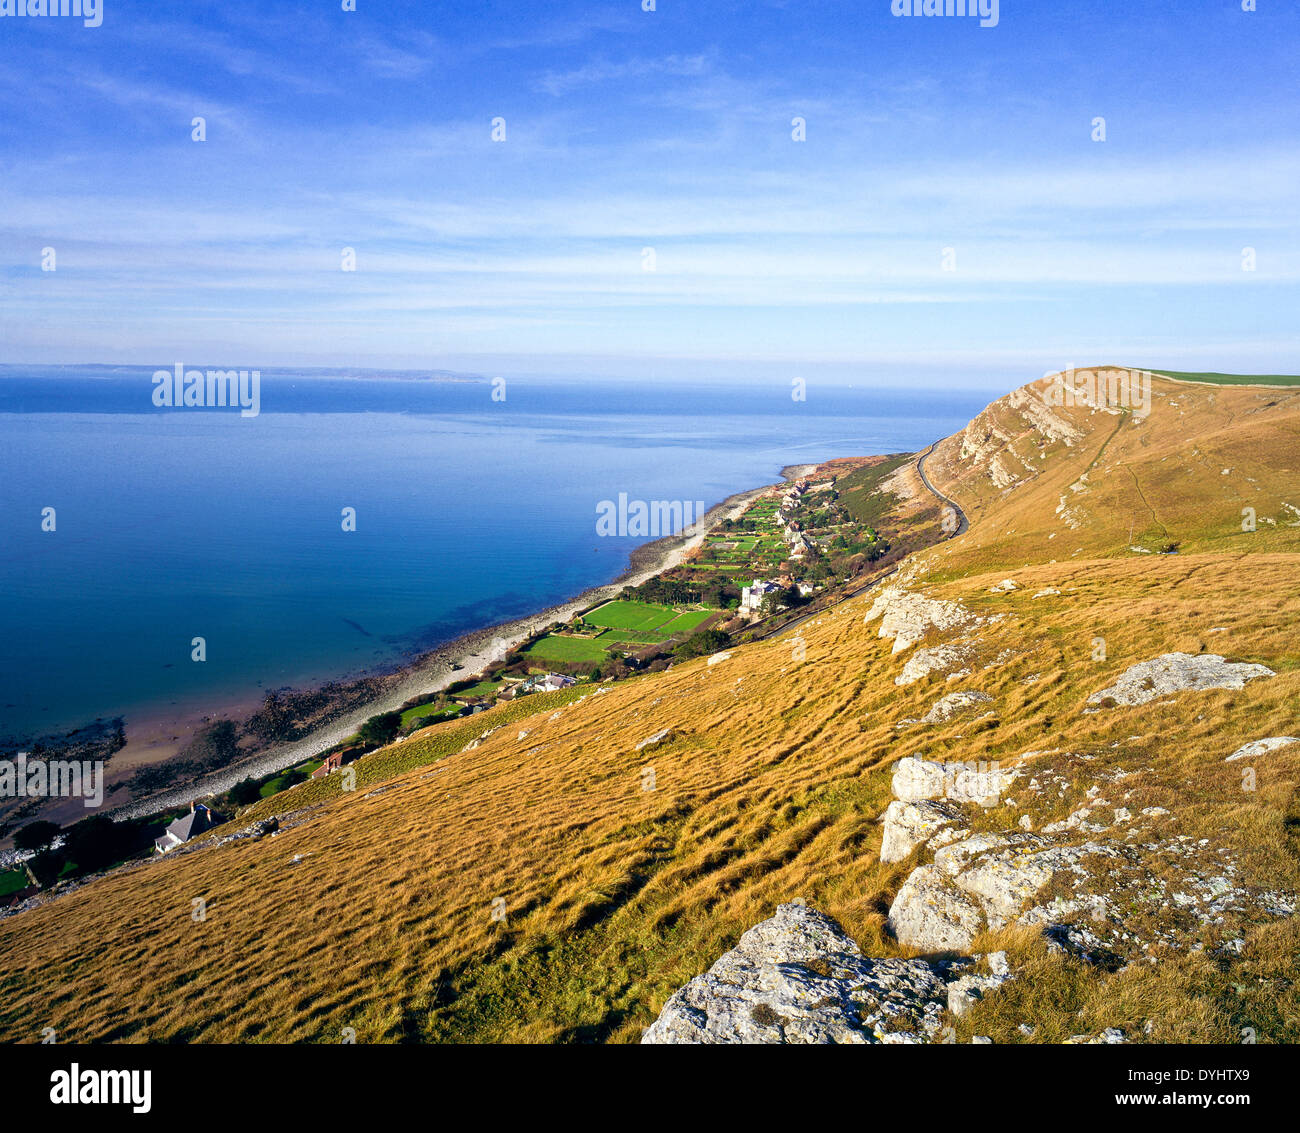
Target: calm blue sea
{"points": [[176, 524]]}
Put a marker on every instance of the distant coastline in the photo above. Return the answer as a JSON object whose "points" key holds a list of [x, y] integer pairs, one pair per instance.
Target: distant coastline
{"points": [[434, 669]]}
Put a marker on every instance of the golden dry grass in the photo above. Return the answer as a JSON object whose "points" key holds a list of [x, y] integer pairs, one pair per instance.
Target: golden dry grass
{"points": [[770, 788]]}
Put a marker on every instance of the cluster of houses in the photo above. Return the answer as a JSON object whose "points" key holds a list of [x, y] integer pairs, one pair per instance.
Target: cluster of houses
{"points": [[800, 545], [791, 529], [790, 501]]}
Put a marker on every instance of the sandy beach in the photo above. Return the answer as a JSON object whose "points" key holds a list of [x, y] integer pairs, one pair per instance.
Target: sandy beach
{"points": [[158, 737]]}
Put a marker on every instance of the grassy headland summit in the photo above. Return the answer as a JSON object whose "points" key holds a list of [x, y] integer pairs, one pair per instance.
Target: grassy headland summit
{"points": [[1028, 780]]}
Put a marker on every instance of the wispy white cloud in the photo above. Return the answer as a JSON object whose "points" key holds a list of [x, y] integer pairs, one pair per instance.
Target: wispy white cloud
{"points": [[414, 57], [600, 71], [626, 130]]}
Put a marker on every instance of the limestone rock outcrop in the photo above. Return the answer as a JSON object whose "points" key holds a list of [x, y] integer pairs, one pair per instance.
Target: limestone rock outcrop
{"points": [[1177, 672], [1083, 880], [979, 883], [798, 978], [916, 780], [1260, 747], [950, 658], [907, 617], [911, 824], [955, 703]]}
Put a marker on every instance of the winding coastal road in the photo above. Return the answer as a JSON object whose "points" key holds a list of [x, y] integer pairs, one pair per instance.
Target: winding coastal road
{"points": [[962, 523], [839, 600]]}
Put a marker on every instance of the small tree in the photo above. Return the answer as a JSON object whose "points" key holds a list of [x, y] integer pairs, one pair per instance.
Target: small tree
{"points": [[46, 866], [246, 791], [36, 835], [381, 729], [292, 778], [706, 641], [98, 841]]}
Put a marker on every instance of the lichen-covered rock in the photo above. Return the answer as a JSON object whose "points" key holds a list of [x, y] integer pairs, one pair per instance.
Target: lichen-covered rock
{"points": [[1010, 873], [1260, 747], [979, 783], [951, 659], [946, 707], [967, 990], [478, 740], [1086, 897], [659, 737], [932, 913], [917, 780], [982, 882], [1177, 672], [909, 824], [798, 978], [1111, 1036]]}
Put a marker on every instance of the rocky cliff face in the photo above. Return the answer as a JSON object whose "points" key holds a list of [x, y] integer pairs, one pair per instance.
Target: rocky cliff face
{"points": [[990, 445]]}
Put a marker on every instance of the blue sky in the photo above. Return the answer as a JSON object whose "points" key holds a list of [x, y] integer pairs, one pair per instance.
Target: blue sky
{"points": [[669, 130]]}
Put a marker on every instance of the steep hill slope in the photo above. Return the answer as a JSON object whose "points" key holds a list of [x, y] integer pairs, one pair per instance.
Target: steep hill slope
{"points": [[1043, 480], [543, 874]]}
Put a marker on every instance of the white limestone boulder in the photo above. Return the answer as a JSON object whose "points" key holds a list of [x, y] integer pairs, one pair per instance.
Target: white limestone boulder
{"points": [[1177, 672], [954, 704], [950, 659], [907, 617], [917, 780], [931, 913], [1260, 747], [798, 978], [911, 824]]}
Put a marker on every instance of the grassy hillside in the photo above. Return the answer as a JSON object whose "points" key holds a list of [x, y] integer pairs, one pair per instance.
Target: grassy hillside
{"points": [[555, 883]]}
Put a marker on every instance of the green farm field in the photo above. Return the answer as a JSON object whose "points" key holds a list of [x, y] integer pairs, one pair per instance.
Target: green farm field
{"points": [[683, 623], [554, 647], [11, 881], [430, 713], [643, 621], [630, 615], [622, 624]]}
